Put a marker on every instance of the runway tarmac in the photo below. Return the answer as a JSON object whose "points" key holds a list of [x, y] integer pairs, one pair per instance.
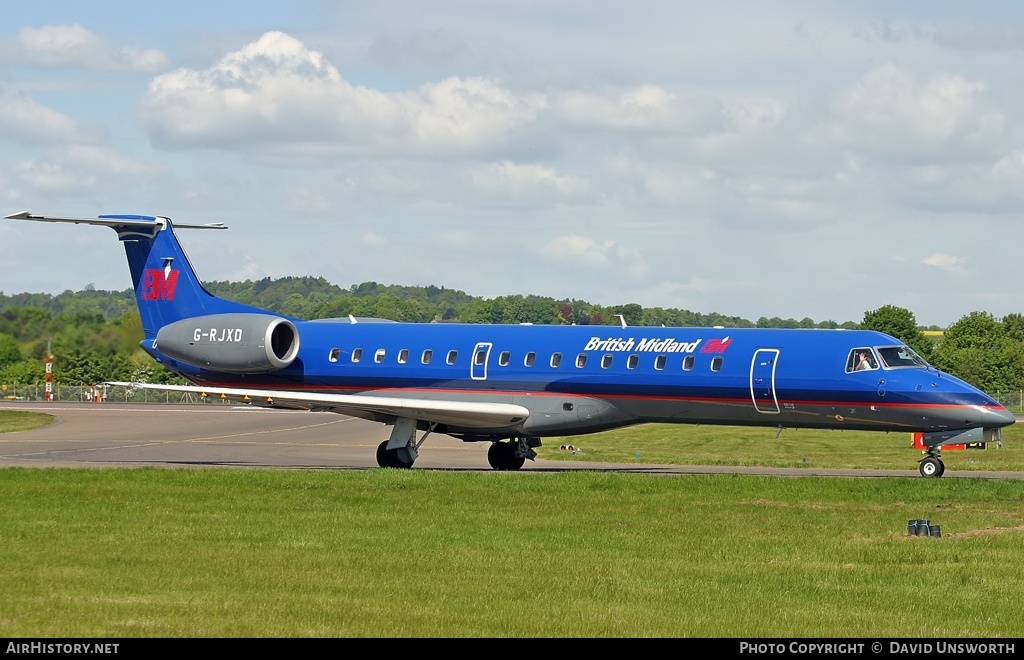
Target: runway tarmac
{"points": [[216, 435]]}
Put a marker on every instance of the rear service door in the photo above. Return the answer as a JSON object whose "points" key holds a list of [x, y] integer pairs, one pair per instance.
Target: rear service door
{"points": [[762, 380]]}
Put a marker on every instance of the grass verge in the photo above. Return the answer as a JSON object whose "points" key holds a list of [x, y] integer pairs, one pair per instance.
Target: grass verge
{"points": [[735, 445], [17, 420], [391, 553]]}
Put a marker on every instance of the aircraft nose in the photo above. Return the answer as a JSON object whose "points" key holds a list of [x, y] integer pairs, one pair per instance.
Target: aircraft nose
{"points": [[992, 416], [1003, 417]]}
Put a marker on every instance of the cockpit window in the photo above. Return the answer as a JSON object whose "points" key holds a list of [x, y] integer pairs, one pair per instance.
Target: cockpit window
{"points": [[895, 357], [861, 359]]}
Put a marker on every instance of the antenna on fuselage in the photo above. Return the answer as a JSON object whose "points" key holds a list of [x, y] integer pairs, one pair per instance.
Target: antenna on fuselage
{"points": [[622, 319]]}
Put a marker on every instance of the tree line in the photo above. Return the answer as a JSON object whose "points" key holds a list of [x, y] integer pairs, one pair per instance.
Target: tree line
{"points": [[94, 335]]}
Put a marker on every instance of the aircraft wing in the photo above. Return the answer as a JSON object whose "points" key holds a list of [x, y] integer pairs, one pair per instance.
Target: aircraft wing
{"points": [[453, 413]]}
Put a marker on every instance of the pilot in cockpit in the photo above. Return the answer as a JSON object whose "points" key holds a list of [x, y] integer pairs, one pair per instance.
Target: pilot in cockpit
{"points": [[864, 361]]}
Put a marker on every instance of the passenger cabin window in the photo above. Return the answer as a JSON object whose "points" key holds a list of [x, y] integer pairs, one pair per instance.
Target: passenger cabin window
{"points": [[451, 357], [606, 361], [378, 357], [861, 359], [556, 359], [357, 354], [897, 357], [504, 358], [480, 357], [632, 361], [335, 352], [403, 356], [428, 355], [581, 360], [530, 358], [659, 362], [716, 363], [688, 363]]}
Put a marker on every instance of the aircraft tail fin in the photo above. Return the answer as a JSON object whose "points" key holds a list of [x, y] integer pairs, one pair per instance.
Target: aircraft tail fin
{"points": [[167, 289]]}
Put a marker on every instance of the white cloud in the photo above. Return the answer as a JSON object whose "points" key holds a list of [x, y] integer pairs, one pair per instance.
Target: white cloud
{"points": [[974, 38], [53, 178], [9, 247], [575, 249], [754, 114], [890, 111], [667, 183], [374, 240], [304, 199], [790, 212], [649, 108], [250, 270], [945, 262], [74, 47], [703, 285], [639, 148], [8, 192], [459, 240], [526, 183], [25, 121], [419, 49], [107, 161], [632, 259], [956, 36], [80, 168], [469, 113], [276, 94], [1009, 170]]}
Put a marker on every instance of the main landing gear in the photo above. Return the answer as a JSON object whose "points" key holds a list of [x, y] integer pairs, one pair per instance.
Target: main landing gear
{"points": [[402, 448], [510, 455], [932, 465], [395, 458]]}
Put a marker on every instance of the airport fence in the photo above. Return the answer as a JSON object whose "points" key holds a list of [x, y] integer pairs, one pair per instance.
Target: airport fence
{"points": [[1012, 399], [100, 394]]}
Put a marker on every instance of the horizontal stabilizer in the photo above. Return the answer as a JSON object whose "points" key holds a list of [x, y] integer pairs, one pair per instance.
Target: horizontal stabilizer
{"points": [[112, 221]]}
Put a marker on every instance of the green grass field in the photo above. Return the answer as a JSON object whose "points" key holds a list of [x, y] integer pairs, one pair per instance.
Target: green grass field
{"points": [[393, 553], [16, 420], [731, 445], [153, 552]]}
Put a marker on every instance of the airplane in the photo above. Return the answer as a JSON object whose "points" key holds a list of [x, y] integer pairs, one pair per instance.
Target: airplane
{"points": [[512, 385]]}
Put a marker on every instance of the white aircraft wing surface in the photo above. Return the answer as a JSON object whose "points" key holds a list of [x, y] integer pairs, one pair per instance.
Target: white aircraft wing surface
{"points": [[454, 413]]}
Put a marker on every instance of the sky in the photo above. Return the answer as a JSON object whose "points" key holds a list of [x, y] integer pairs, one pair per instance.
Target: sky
{"points": [[792, 159]]}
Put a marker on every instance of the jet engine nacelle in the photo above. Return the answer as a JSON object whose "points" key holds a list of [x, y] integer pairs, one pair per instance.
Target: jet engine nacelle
{"points": [[238, 343]]}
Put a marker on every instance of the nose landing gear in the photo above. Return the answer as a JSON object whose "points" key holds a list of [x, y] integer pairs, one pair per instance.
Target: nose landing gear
{"points": [[932, 465]]}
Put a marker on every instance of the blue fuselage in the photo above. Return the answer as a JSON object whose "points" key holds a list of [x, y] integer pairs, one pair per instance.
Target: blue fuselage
{"points": [[580, 379]]}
